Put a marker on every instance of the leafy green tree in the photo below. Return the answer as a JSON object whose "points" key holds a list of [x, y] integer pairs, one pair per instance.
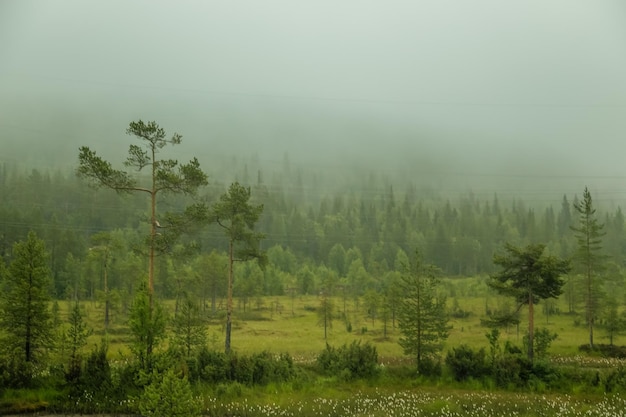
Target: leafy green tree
{"points": [[422, 316], [325, 313], [24, 314], [373, 303], [166, 176], [613, 322], [306, 279], [213, 274], [103, 246], [528, 275], [237, 217], [542, 340], [337, 259], [393, 295], [589, 236]]}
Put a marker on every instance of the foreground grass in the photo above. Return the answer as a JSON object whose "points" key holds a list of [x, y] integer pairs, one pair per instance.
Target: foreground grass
{"points": [[423, 402], [325, 397]]}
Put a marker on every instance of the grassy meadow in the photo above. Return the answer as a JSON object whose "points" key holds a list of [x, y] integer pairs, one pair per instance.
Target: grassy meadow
{"points": [[291, 325], [284, 324]]}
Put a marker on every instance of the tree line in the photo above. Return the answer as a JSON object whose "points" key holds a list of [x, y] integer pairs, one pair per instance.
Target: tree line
{"points": [[384, 252]]}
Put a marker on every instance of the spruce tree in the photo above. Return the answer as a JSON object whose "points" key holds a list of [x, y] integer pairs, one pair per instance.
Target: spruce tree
{"points": [[25, 318], [422, 317], [189, 327], [589, 258]]}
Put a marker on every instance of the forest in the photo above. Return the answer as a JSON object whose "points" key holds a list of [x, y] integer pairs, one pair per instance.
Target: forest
{"points": [[234, 208], [149, 279]]}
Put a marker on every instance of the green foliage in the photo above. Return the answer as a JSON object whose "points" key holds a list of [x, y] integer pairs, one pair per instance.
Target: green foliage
{"points": [[15, 372], [147, 326], [528, 275], [606, 351], [465, 363], [24, 302], [76, 339], [259, 369], [169, 396], [237, 217], [166, 176], [349, 362], [189, 327], [325, 313], [543, 339], [423, 319], [589, 259]]}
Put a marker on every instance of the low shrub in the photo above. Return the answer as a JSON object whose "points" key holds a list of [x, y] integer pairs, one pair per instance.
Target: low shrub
{"points": [[466, 363], [352, 361], [259, 369], [607, 351]]}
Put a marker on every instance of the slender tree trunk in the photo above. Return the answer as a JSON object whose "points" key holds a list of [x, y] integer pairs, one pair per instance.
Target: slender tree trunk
{"points": [[153, 226], [106, 293], [531, 327], [589, 301], [152, 243], [419, 323], [229, 301], [27, 344]]}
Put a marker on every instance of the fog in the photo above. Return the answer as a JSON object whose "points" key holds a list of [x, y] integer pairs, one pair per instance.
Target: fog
{"points": [[480, 95]]}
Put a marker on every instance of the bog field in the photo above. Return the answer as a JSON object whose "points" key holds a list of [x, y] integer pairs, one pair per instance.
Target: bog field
{"points": [[291, 325]]}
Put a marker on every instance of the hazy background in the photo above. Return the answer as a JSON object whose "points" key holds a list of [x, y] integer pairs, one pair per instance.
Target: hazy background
{"points": [[485, 95]]}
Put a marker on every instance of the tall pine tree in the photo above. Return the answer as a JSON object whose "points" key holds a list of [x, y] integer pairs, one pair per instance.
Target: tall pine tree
{"points": [[589, 258]]}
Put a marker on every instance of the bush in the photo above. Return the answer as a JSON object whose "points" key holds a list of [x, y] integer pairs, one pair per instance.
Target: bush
{"points": [[15, 372], [349, 361], [169, 396], [208, 366], [259, 369], [542, 341], [615, 380], [466, 363], [511, 371], [607, 351]]}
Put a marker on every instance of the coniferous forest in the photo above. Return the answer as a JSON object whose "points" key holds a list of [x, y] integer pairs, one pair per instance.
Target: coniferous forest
{"points": [[383, 247], [237, 208]]}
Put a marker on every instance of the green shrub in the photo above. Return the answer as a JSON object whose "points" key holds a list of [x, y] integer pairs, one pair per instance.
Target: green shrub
{"points": [[615, 380], [466, 363], [607, 351], [169, 396], [208, 366], [349, 361], [511, 371], [259, 369]]}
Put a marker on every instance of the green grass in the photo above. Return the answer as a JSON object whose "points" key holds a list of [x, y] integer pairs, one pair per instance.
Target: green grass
{"points": [[296, 331], [20, 401], [359, 400], [396, 391]]}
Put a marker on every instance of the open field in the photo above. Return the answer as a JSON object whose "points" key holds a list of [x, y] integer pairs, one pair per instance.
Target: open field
{"points": [[285, 324], [291, 325]]}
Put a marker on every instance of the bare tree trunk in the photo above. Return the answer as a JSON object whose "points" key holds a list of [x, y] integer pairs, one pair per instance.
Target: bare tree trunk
{"points": [[229, 301], [531, 327]]}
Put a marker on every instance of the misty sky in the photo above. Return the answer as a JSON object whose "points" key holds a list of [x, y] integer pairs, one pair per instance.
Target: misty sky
{"points": [[486, 81]]}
